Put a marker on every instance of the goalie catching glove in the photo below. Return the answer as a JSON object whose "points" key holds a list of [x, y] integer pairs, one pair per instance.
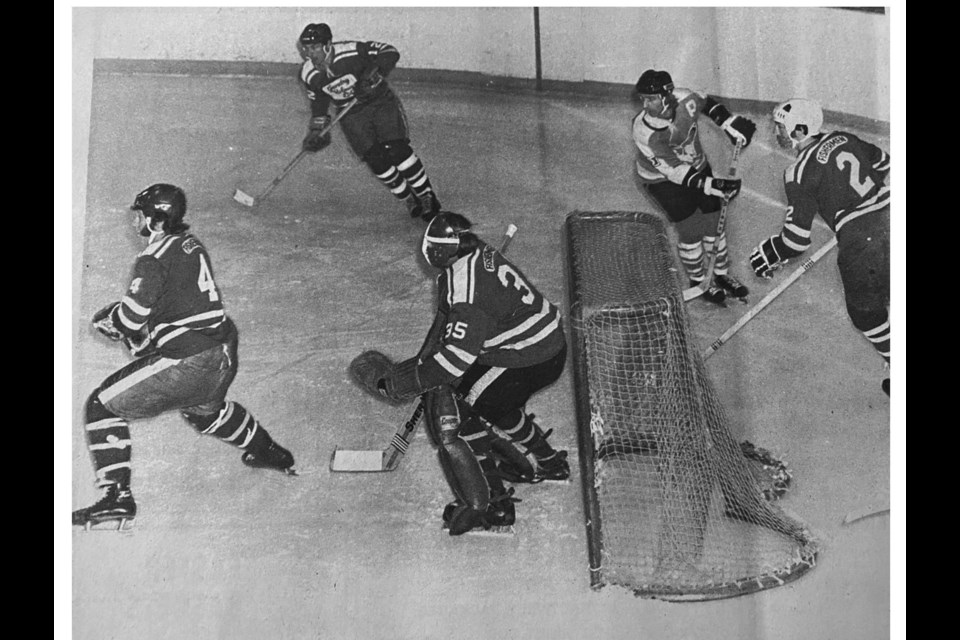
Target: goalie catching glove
{"points": [[726, 188], [318, 137], [103, 322], [766, 258]]}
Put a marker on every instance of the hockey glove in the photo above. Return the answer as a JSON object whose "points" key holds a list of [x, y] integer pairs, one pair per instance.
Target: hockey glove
{"points": [[103, 322], [365, 86], [739, 129], [765, 259], [138, 345], [368, 368], [318, 137], [726, 188], [402, 383]]}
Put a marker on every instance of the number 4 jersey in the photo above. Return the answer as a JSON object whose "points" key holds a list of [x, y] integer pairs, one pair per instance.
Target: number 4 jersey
{"points": [[494, 317], [174, 299]]}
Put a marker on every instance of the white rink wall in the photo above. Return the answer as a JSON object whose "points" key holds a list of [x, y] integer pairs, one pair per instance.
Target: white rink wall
{"points": [[840, 57]]}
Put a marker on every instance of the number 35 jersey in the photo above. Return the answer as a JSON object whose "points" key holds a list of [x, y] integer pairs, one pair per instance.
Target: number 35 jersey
{"points": [[174, 299], [494, 317]]}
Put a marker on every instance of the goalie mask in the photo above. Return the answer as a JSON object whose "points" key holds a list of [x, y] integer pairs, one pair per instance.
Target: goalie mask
{"points": [[163, 204], [796, 120], [447, 238]]}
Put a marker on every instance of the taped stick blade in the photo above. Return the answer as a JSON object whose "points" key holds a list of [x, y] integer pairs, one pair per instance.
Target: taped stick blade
{"points": [[243, 198], [356, 461]]}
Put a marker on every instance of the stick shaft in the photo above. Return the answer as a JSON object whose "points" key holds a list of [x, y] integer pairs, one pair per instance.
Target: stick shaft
{"points": [[303, 152], [700, 289], [770, 297]]}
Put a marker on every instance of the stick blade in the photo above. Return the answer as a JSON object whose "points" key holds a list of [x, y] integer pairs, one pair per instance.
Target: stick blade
{"points": [[356, 461], [243, 198]]}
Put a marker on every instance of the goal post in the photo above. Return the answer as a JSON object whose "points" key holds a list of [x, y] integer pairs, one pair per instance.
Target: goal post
{"points": [[672, 508]]}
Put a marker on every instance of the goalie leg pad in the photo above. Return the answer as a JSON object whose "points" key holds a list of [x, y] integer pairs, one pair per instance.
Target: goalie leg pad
{"points": [[370, 367], [457, 459]]}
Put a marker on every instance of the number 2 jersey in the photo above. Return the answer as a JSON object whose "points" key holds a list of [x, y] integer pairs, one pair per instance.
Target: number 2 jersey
{"points": [[840, 177], [174, 299], [494, 317], [351, 61]]}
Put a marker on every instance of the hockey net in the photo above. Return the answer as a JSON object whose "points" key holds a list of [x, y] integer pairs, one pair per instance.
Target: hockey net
{"points": [[673, 509]]}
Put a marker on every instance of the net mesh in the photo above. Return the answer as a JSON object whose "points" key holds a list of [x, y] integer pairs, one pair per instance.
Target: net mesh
{"points": [[673, 509]]}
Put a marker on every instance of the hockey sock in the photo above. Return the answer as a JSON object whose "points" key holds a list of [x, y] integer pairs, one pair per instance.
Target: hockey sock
{"points": [[691, 257], [234, 425], [722, 264], [415, 174], [108, 439], [528, 435], [395, 182], [879, 337]]}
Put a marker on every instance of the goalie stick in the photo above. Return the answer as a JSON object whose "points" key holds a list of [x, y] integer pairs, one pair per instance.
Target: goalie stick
{"points": [[700, 289], [358, 461], [770, 297], [250, 201]]}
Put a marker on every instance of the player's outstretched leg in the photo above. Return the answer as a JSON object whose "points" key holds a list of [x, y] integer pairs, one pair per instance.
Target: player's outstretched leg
{"points": [[116, 506], [722, 278], [235, 425], [550, 464]]}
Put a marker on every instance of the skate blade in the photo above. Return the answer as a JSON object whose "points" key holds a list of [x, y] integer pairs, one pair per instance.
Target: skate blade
{"points": [[507, 531], [356, 461], [243, 198], [122, 525]]}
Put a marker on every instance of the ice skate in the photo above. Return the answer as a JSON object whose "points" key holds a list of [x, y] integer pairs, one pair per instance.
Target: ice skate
{"points": [[431, 206], [713, 294], [732, 286], [115, 510], [273, 456], [414, 206], [553, 469]]}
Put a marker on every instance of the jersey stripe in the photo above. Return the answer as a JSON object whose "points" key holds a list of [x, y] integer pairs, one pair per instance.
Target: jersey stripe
{"points": [[462, 282], [877, 202], [135, 378]]}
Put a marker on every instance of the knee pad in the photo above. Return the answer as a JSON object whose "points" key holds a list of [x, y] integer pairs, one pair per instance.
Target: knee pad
{"points": [[377, 159], [442, 415], [94, 411], [396, 151]]}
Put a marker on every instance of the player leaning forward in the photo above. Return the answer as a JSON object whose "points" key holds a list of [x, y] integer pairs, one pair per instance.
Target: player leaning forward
{"points": [[495, 341], [674, 170], [844, 180], [376, 127], [173, 321]]}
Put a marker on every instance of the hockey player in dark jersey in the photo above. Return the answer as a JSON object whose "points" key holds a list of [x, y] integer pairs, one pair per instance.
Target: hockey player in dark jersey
{"points": [[674, 170], [376, 127], [844, 180], [494, 342], [172, 320]]}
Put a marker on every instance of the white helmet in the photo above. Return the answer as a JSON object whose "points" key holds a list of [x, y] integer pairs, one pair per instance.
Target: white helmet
{"points": [[797, 119]]}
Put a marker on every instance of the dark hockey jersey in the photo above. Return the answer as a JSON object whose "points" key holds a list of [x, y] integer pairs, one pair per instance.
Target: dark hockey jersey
{"points": [[494, 317], [351, 61], [841, 178], [174, 299]]}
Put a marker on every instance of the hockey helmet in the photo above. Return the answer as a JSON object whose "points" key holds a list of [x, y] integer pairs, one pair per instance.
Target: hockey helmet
{"points": [[796, 120], [163, 203], [444, 238], [654, 82], [316, 34]]}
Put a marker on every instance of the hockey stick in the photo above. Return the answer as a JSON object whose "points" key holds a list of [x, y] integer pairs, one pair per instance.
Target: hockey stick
{"points": [[770, 297], [700, 289], [356, 461], [250, 201]]}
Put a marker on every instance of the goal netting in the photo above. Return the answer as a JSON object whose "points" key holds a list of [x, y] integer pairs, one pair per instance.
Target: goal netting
{"points": [[673, 510]]}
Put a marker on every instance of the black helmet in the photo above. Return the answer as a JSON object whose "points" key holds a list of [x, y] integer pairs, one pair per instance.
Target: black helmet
{"points": [[447, 238], [165, 203], [654, 82], [316, 33]]}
